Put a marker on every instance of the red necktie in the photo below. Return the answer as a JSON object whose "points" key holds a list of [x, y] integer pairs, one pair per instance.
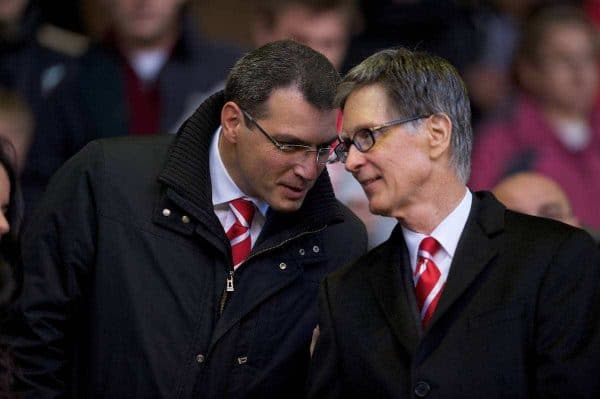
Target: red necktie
{"points": [[428, 284], [239, 232]]}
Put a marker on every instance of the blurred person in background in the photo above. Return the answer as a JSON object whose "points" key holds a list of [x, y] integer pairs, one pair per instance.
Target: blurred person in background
{"points": [[553, 127], [326, 26], [137, 80], [16, 125], [535, 194]]}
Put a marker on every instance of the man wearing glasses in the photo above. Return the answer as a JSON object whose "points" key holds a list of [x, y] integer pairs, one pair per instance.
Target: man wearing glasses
{"points": [[190, 267], [466, 299]]}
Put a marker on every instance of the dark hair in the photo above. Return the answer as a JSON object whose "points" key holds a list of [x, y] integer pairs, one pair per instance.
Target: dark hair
{"points": [[418, 83], [277, 65], [545, 18]]}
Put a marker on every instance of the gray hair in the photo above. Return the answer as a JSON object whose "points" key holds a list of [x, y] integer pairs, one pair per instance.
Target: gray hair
{"points": [[277, 65], [418, 83]]}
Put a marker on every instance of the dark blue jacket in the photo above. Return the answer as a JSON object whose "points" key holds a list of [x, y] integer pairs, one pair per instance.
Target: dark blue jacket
{"points": [[123, 299]]}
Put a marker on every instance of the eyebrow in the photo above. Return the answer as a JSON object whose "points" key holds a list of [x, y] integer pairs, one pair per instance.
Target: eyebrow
{"points": [[364, 126]]}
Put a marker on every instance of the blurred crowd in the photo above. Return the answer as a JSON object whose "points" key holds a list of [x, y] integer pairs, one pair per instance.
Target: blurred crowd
{"points": [[138, 67]]}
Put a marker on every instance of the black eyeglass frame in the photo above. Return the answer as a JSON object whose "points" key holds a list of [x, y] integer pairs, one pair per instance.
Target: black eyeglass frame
{"points": [[367, 137], [321, 153]]}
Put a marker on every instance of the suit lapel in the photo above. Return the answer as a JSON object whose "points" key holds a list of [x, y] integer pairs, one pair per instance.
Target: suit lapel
{"points": [[476, 248], [387, 282]]}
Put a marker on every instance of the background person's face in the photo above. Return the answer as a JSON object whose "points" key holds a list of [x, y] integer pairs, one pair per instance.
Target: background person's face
{"points": [[145, 22], [327, 32], [17, 129], [4, 201], [567, 69], [262, 170], [536, 195]]}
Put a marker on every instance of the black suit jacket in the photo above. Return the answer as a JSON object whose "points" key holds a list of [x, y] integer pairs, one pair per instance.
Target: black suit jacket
{"points": [[519, 317]]}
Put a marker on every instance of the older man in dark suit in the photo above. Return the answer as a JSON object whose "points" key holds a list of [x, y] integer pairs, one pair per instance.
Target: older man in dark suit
{"points": [[466, 299]]}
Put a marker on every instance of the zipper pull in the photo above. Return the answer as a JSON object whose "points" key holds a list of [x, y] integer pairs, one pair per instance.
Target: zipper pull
{"points": [[229, 285]]}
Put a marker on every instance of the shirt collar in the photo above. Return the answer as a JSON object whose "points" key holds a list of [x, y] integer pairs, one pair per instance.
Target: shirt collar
{"points": [[224, 188]]}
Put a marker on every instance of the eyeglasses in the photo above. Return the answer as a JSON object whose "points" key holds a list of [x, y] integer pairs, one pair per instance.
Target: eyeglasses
{"points": [[324, 154], [364, 139]]}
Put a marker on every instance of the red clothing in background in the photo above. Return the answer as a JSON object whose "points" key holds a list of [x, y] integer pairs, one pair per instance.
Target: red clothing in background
{"points": [[525, 141]]}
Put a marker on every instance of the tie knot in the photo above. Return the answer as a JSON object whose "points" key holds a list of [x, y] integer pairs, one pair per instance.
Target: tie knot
{"points": [[243, 211], [429, 245]]}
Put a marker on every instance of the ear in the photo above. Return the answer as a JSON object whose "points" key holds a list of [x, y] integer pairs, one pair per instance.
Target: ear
{"points": [[440, 133], [231, 121]]}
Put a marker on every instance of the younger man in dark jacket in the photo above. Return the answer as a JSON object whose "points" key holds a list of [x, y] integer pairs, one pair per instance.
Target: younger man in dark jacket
{"points": [[189, 267]]}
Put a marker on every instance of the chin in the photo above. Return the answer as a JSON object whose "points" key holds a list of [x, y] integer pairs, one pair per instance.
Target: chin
{"points": [[284, 205], [378, 208], [377, 211]]}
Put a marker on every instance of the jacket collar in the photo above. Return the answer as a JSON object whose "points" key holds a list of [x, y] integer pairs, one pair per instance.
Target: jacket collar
{"points": [[186, 172]]}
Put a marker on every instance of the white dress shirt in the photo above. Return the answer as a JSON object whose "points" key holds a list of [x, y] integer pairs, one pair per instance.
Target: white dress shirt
{"points": [[225, 190], [447, 233]]}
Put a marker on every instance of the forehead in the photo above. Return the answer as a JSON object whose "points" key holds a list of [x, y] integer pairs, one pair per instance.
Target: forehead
{"points": [[296, 17], [565, 35], [289, 113], [367, 106], [529, 195]]}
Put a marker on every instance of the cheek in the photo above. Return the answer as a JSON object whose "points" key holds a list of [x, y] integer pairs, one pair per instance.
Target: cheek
{"points": [[560, 81], [590, 78], [407, 168], [266, 165]]}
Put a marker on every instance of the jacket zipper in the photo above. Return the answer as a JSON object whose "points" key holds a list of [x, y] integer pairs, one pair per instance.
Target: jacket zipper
{"points": [[229, 287], [226, 292]]}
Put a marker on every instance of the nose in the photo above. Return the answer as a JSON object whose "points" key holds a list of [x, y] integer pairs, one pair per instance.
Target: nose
{"points": [[354, 160], [308, 168], [4, 226]]}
